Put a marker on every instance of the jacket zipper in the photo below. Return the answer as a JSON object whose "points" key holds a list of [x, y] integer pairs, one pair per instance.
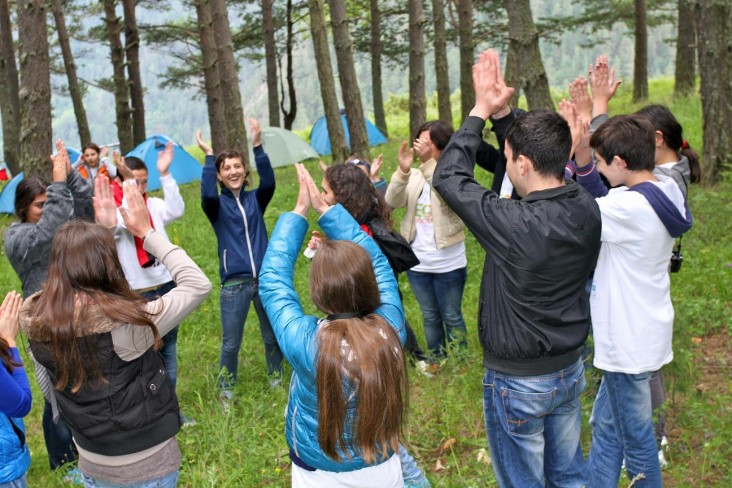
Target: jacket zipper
{"points": [[294, 432], [226, 270], [246, 233]]}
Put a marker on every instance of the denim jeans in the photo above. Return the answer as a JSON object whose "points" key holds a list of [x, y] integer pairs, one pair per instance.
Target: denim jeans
{"points": [[59, 445], [235, 302], [412, 474], [169, 350], [16, 483], [533, 427], [167, 481], [622, 428], [440, 297]]}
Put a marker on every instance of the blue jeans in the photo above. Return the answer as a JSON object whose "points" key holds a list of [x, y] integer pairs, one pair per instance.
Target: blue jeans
{"points": [[413, 476], [235, 301], [169, 350], [60, 447], [167, 481], [440, 297], [622, 427], [533, 427], [16, 483]]}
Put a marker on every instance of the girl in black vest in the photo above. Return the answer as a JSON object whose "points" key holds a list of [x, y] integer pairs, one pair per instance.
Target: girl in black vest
{"points": [[98, 340]]}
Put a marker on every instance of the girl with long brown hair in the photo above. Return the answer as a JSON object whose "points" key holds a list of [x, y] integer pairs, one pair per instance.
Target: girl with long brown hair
{"points": [[15, 400], [348, 388], [98, 340]]}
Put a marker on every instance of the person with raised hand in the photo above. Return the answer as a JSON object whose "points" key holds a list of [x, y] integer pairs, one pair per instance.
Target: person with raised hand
{"points": [[533, 315], [41, 209], [93, 161], [604, 86], [237, 217], [99, 341], [15, 401], [436, 236], [348, 388], [145, 274]]}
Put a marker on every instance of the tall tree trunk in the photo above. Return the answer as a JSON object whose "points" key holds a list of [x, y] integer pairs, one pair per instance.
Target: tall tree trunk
{"points": [[9, 97], [524, 66], [417, 104], [35, 89], [349, 83], [212, 84], [441, 66], [121, 92], [132, 49], [715, 68], [270, 55], [337, 136], [74, 88], [640, 65], [685, 76], [375, 48], [235, 132], [289, 115], [465, 31]]}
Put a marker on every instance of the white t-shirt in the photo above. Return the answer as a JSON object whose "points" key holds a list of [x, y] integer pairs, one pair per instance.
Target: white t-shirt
{"points": [[506, 187], [431, 259], [632, 313], [385, 475], [163, 212]]}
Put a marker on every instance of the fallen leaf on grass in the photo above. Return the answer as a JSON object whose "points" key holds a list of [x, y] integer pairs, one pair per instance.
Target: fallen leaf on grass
{"points": [[696, 340], [483, 456], [439, 466], [448, 444]]}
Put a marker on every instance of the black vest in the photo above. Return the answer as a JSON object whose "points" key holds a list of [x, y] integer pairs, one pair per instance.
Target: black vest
{"points": [[133, 409]]}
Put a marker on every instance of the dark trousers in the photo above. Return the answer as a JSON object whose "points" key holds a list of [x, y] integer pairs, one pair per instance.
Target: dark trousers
{"points": [[60, 447]]}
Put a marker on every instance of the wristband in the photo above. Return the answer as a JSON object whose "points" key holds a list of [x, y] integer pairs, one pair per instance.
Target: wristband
{"points": [[146, 235]]}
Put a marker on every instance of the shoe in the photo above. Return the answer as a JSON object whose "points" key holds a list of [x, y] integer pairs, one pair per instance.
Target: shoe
{"points": [[73, 477], [275, 382], [227, 401], [427, 369], [188, 421], [661, 456]]}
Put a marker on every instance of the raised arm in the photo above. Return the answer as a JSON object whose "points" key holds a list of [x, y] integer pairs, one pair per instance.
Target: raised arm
{"points": [[168, 311], [209, 190], [15, 400], [266, 187], [174, 206], [396, 196]]}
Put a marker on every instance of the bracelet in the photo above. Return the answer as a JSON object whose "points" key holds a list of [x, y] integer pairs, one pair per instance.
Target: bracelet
{"points": [[146, 235]]}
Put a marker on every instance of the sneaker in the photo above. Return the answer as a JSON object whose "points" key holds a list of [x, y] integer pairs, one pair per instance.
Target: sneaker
{"points": [[227, 401], [427, 369], [188, 421], [73, 477], [661, 456]]}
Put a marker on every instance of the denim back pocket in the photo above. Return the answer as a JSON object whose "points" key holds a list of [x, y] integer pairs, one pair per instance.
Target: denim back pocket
{"points": [[522, 411]]}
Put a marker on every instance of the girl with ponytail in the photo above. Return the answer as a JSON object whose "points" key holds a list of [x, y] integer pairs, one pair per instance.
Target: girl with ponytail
{"points": [[348, 388]]}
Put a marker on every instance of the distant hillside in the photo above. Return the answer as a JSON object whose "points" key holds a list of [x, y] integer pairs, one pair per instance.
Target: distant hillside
{"points": [[178, 113]]}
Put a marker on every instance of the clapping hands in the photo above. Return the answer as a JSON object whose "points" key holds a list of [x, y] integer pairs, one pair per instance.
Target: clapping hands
{"points": [[309, 194], [491, 93]]}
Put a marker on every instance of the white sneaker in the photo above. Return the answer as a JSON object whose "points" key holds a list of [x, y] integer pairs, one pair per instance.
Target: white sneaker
{"points": [[424, 367], [661, 456], [227, 401]]}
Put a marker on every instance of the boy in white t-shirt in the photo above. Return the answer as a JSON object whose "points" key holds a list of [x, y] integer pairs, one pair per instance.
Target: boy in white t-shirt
{"points": [[632, 314]]}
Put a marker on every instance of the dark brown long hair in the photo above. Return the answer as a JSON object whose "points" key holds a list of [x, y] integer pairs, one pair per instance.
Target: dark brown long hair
{"points": [[663, 120], [353, 189], [364, 354], [5, 357], [83, 269]]}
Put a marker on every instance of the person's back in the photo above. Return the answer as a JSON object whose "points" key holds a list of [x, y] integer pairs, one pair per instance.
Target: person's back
{"points": [[533, 311], [632, 314]]}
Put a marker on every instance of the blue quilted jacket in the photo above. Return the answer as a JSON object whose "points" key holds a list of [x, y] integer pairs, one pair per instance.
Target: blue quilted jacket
{"points": [[297, 332]]}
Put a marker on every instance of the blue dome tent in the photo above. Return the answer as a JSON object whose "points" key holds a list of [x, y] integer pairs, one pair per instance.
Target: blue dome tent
{"points": [[184, 168], [7, 196], [320, 139]]}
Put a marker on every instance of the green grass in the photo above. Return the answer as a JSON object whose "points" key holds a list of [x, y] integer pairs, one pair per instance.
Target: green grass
{"points": [[445, 429]]}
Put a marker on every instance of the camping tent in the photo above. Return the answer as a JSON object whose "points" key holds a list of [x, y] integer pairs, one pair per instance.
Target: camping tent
{"points": [[320, 139], [283, 147], [184, 168], [7, 196]]}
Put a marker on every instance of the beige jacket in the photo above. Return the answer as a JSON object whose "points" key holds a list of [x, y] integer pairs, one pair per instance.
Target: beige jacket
{"points": [[404, 191]]}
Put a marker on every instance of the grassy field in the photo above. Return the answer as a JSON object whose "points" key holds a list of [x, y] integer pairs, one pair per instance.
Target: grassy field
{"points": [[445, 429]]}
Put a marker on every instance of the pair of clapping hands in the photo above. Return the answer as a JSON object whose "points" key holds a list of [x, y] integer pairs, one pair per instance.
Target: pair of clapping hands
{"points": [[309, 194], [136, 216]]}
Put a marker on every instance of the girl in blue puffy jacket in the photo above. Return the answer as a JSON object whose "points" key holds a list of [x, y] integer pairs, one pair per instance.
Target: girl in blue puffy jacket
{"points": [[15, 400], [348, 387]]}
